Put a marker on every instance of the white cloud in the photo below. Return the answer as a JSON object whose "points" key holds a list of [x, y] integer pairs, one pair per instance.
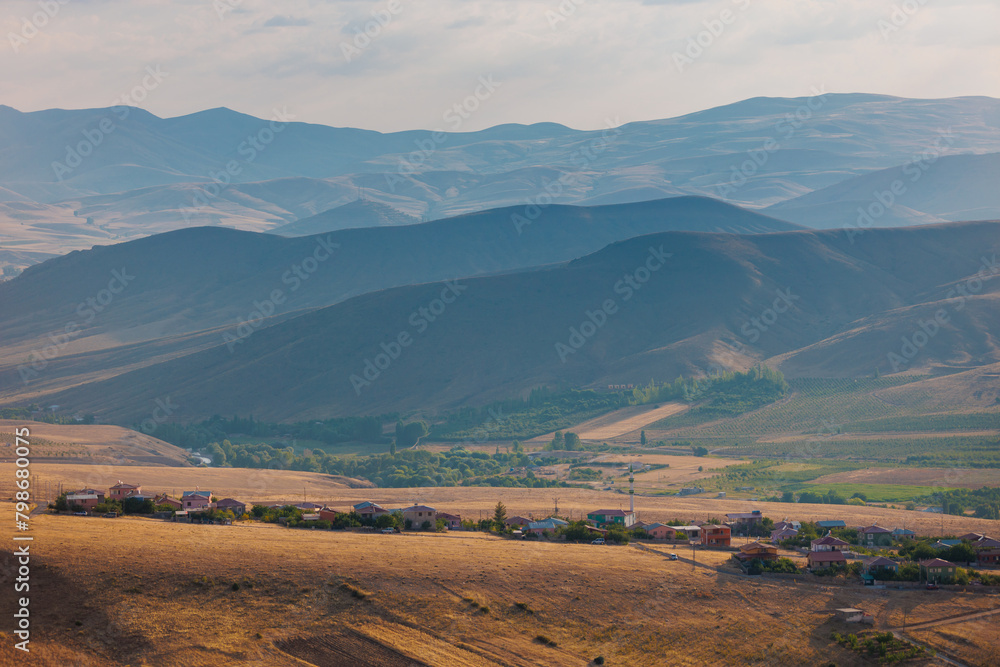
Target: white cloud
{"points": [[606, 59]]}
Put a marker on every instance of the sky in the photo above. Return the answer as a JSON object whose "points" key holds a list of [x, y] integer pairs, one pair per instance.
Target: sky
{"points": [[392, 65]]}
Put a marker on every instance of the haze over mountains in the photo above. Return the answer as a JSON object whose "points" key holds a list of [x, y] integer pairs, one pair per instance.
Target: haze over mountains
{"points": [[592, 263], [143, 175]]}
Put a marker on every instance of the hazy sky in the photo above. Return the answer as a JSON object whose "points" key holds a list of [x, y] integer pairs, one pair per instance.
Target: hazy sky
{"points": [[577, 62]]}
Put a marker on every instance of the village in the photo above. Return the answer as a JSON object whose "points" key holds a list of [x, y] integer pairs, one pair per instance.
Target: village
{"points": [[870, 555]]}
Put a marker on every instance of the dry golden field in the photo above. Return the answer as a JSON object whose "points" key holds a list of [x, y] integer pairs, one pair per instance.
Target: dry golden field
{"points": [[616, 424], [145, 592], [92, 444]]}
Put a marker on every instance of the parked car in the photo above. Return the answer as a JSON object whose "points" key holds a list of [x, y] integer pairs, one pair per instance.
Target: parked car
{"points": [[931, 586], [673, 556], [388, 531], [79, 514], [110, 515], [599, 540]]}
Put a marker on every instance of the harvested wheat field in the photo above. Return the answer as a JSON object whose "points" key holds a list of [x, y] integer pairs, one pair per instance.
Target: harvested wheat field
{"points": [[90, 444], [616, 424], [156, 593]]}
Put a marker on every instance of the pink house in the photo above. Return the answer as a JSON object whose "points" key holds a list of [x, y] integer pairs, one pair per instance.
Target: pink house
{"points": [[451, 521], [121, 490], [659, 531], [196, 500], [86, 499], [328, 514]]}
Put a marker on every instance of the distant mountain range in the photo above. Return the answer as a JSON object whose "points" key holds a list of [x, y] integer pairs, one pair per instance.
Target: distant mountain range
{"points": [[73, 178], [812, 303]]}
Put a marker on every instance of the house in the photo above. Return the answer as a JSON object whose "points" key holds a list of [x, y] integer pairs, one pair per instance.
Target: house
{"points": [[121, 490], [973, 537], [689, 533], [946, 544], [875, 536], [789, 525], [232, 505], [829, 525], [659, 531], [85, 499], [937, 570], [757, 551], [829, 543], [328, 514], [310, 517], [309, 507], [903, 534], [545, 526], [417, 515], [985, 544], [164, 499], [516, 522], [740, 519], [783, 534], [451, 521], [880, 564], [620, 517], [369, 511], [821, 559], [196, 500], [988, 558], [716, 536]]}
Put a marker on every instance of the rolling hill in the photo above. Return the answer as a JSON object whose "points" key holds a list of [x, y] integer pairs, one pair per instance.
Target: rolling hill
{"points": [[360, 213], [151, 175], [188, 289], [717, 299], [928, 190]]}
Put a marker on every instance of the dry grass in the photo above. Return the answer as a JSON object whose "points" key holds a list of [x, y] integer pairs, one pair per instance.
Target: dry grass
{"points": [[175, 605], [947, 477], [95, 444]]}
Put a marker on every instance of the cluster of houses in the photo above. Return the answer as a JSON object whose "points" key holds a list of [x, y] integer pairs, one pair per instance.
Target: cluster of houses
{"points": [[191, 501]]}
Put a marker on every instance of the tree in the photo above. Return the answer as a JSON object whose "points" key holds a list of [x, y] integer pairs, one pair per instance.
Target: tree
{"points": [[557, 441], [499, 515], [700, 451], [518, 447], [409, 435], [642, 438], [392, 448], [572, 441]]}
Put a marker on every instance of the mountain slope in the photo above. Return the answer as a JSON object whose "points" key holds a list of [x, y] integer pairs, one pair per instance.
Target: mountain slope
{"points": [[496, 336], [931, 189], [359, 213]]}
